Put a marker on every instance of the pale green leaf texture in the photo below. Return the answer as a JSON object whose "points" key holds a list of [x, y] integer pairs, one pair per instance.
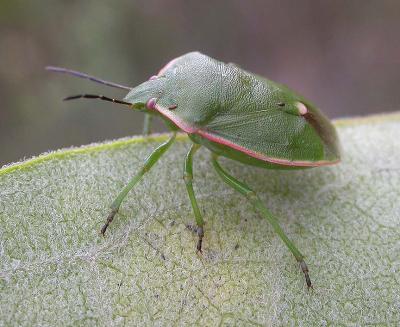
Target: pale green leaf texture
{"points": [[55, 268]]}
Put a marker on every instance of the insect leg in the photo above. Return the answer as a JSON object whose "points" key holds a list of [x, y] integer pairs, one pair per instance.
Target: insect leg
{"points": [[188, 178], [147, 124], [257, 203], [150, 161]]}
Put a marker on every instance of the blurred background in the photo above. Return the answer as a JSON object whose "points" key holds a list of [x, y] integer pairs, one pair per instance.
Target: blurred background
{"points": [[342, 55]]}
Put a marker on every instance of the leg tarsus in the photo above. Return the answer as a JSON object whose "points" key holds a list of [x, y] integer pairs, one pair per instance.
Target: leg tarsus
{"points": [[304, 268], [200, 234], [108, 221]]}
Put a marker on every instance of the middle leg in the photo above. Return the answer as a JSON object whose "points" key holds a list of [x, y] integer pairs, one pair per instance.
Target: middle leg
{"points": [[188, 178]]}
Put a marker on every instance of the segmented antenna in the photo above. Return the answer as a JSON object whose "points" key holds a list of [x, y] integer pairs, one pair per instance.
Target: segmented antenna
{"points": [[95, 96], [86, 76]]}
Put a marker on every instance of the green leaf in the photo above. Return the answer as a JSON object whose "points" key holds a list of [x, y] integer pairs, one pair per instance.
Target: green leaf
{"points": [[55, 268]]}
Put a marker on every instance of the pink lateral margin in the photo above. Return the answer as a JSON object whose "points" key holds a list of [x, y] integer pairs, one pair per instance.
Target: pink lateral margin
{"points": [[167, 66], [217, 139]]}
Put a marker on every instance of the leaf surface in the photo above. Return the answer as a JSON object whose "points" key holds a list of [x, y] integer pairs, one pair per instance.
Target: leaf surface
{"points": [[55, 268]]}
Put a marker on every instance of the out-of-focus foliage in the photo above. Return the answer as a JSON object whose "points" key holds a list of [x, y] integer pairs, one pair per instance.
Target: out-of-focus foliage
{"points": [[343, 55]]}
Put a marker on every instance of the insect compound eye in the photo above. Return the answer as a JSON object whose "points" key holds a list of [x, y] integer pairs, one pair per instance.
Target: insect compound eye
{"points": [[302, 108]]}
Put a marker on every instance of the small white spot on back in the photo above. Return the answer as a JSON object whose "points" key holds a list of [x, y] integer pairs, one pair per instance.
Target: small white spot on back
{"points": [[302, 108]]}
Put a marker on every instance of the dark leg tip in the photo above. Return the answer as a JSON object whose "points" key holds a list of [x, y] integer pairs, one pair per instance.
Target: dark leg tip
{"points": [[198, 248], [103, 229], [200, 234], [109, 220], [304, 268], [308, 281]]}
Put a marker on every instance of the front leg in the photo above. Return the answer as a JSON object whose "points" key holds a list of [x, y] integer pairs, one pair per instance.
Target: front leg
{"points": [[188, 178], [150, 161]]}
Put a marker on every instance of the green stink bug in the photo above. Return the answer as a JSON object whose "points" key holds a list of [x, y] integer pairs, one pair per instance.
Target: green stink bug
{"points": [[234, 114]]}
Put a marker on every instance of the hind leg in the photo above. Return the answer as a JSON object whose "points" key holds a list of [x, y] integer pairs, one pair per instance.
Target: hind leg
{"points": [[257, 203]]}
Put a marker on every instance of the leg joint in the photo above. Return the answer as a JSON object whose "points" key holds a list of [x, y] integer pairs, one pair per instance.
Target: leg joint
{"points": [[188, 178], [200, 231], [251, 195]]}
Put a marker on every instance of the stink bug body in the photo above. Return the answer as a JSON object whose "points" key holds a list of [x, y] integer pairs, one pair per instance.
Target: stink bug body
{"points": [[234, 114]]}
